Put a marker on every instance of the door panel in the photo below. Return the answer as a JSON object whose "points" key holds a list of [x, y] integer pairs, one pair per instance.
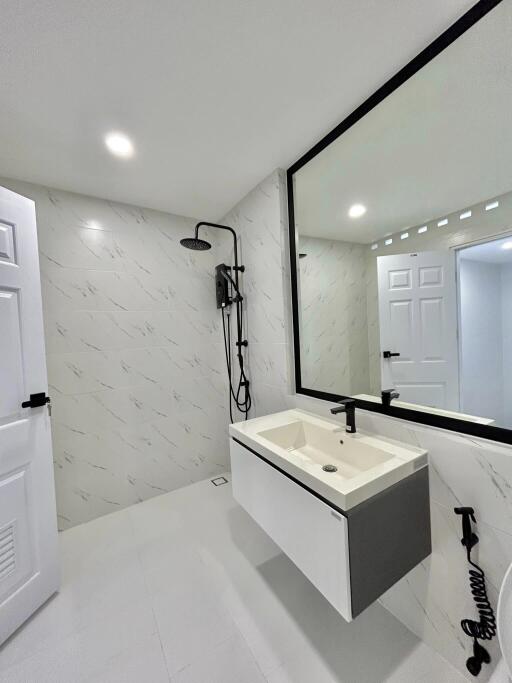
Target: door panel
{"points": [[431, 329], [28, 521], [11, 365], [402, 329], [418, 320], [422, 393], [7, 248], [16, 552]]}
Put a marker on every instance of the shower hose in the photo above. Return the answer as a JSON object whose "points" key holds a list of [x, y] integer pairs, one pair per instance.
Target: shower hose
{"points": [[485, 628]]}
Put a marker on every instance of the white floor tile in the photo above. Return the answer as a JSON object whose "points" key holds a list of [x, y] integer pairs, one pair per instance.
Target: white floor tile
{"points": [[85, 653], [187, 588], [190, 625], [96, 587], [144, 663], [229, 662]]}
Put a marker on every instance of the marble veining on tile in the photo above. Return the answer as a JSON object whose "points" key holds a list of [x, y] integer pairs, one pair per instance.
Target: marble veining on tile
{"points": [[134, 353]]}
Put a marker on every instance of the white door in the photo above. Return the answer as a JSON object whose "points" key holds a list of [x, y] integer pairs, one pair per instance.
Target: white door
{"points": [[28, 522], [418, 321]]}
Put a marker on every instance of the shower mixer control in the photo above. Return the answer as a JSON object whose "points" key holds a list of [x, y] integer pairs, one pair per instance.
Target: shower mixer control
{"points": [[222, 285]]}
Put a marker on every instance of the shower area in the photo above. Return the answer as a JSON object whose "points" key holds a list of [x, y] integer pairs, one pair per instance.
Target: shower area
{"points": [[135, 346]]}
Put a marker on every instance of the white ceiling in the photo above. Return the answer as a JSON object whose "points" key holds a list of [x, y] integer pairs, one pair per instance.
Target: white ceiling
{"points": [[214, 94], [440, 143]]}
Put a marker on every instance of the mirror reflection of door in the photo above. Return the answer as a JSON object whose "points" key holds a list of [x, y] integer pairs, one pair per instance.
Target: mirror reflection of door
{"points": [[418, 321]]}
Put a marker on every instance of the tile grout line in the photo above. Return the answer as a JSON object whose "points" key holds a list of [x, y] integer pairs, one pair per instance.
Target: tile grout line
{"points": [[143, 573]]}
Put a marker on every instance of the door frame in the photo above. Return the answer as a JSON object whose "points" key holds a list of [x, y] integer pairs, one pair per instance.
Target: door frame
{"points": [[455, 31], [457, 249]]}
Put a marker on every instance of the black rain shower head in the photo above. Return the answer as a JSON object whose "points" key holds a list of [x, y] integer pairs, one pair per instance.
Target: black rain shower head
{"points": [[195, 243]]}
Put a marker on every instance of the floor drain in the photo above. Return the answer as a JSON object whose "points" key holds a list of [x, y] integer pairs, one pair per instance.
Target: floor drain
{"points": [[218, 481], [330, 468]]}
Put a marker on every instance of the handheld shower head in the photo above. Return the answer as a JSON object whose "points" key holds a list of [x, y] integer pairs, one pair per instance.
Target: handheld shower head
{"points": [[195, 243]]}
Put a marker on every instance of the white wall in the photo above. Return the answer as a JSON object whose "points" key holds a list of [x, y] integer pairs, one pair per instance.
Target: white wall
{"points": [[334, 331], [134, 353], [481, 339]]}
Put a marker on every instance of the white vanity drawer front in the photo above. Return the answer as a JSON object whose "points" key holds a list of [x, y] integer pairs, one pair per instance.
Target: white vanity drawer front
{"points": [[312, 534]]}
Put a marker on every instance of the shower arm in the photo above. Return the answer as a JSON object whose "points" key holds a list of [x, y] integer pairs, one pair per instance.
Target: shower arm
{"points": [[237, 268]]}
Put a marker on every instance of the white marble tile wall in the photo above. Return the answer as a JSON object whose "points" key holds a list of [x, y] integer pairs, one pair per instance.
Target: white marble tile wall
{"points": [[334, 330], [260, 221], [134, 353]]}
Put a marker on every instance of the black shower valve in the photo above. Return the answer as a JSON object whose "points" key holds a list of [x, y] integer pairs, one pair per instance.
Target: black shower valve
{"points": [[242, 343], [241, 269]]}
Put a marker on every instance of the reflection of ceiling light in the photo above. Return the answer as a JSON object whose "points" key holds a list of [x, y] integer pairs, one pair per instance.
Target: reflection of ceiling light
{"points": [[404, 235], [94, 225], [375, 246], [492, 205], [119, 144], [444, 221], [507, 245], [423, 229], [357, 210], [466, 214], [388, 242]]}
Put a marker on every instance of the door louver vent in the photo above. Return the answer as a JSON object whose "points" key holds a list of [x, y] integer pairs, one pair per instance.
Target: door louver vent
{"points": [[7, 550]]}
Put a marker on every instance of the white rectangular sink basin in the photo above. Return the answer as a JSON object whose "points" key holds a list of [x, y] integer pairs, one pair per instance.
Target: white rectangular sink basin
{"points": [[302, 444]]}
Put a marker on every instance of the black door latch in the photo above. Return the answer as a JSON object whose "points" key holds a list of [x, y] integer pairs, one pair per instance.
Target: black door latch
{"points": [[36, 401], [388, 354]]}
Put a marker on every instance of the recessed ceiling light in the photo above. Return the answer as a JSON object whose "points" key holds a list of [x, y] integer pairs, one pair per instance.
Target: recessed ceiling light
{"points": [[442, 222], [466, 214], [404, 235], [507, 245], [491, 206], [357, 210], [119, 144], [422, 229]]}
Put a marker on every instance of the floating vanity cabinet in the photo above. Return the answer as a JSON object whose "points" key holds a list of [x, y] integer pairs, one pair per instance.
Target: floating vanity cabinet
{"points": [[352, 556], [312, 534]]}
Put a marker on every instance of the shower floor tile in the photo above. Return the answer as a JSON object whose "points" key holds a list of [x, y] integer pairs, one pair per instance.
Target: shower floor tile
{"points": [[186, 588]]}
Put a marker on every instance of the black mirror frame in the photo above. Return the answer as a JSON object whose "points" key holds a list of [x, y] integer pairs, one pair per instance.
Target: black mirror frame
{"points": [[469, 19]]}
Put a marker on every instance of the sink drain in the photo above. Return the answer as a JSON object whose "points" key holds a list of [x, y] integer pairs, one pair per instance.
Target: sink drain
{"points": [[330, 468]]}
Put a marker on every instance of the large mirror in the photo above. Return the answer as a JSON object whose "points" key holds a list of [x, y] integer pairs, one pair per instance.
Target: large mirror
{"points": [[402, 230]]}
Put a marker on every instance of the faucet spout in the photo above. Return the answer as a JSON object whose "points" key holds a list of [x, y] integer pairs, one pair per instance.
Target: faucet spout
{"points": [[347, 406]]}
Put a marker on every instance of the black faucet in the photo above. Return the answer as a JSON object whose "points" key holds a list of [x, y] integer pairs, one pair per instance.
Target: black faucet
{"points": [[388, 395], [347, 406]]}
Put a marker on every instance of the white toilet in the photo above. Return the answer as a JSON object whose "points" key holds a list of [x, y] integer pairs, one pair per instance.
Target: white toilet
{"points": [[503, 672]]}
